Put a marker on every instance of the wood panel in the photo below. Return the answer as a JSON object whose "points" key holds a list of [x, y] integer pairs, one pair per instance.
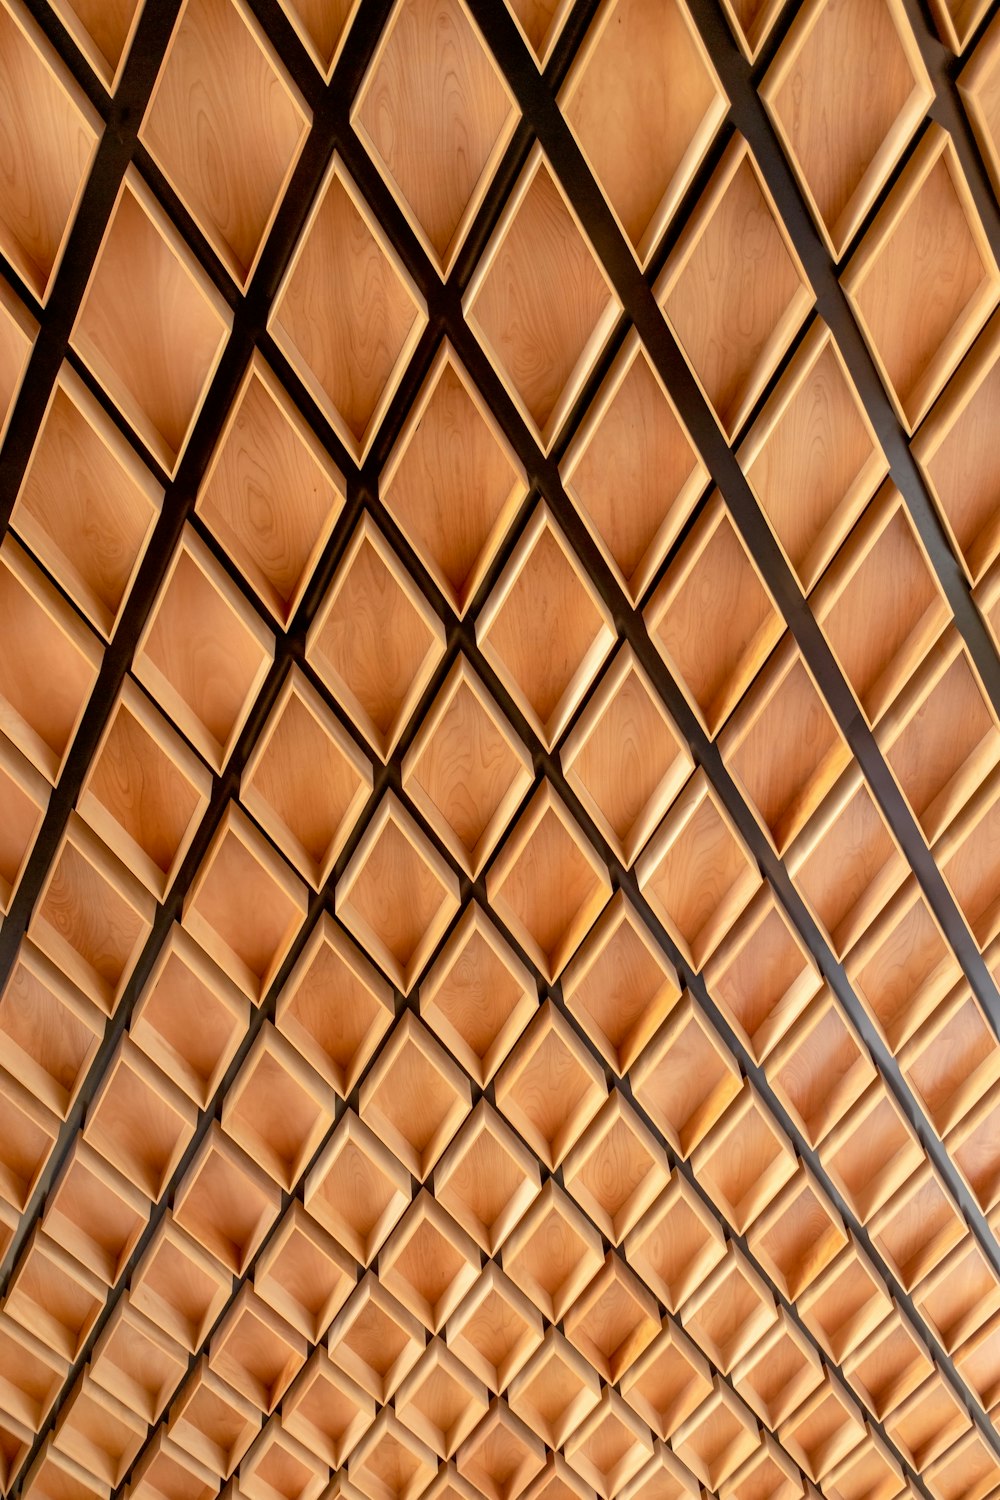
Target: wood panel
{"points": [[499, 750]]}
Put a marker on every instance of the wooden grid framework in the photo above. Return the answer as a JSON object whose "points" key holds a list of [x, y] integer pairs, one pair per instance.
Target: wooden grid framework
{"points": [[499, 749]]}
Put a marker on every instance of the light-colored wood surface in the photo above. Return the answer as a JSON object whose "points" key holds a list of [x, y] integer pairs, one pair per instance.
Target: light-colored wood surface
{"points": [[51, 134], [734, 290], [623, 90], [350, 351], [541, 303], [87, 505], [438, 161], [453, 482], [929, 226], [812, 458], [152, 326], [376, 642], [204, 652], [544, 593], [220, 76], [271, 493], [821, 75], [499, 756]]}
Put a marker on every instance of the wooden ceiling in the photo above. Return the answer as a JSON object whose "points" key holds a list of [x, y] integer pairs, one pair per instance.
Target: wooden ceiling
{"points": [[500, 765]]}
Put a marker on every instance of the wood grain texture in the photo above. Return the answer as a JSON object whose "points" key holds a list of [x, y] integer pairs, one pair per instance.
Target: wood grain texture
{"points": [[23, 799], [616, 1170], [271, 494], [696, 872], [478, 996], [847, 91], [277, 1108], [633, 442], [889, 1366], [542, 595], [323, 26], [554, 1253], [554, 1391], [686, 1078], [103, 29], [49, 135], [376, 641], [435, 112], [429, 1262], [668, 1381], [744, 1162], [425, 596], [91, 922], [97, 1212], [946, 739], [203, 652], [399, 897], [924, 251], [48, 1031], [721, 1315], [903, 966], [189, 1019], [979, 85], [967, 858], [751, 21], [543, 344], [733, 291], [47, 674], [784, 747], [17, 335], [307, 782], [140, 1122], [541, 21], [86, 506], [549, 1087], [226, 127], [614, 1320], [356, 1189], [335, 1006], [486, 1180], [956, 20], [179, 1286], [347, 344], [49, 1299], [952, 449], [761, 975], [900, 622], [643, 77], [952, 1061], [327, 1410], [820, 1068], [452, 481], [776, 1377], [547, 886], [625, 757], [466, 769], [849, 874], [150, 326], [798, 1235], [223, 1203], [145, 788], [712, 617], [414, 1098], [871, 1152], [812, 458], [246, 905], [619, 985]]}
